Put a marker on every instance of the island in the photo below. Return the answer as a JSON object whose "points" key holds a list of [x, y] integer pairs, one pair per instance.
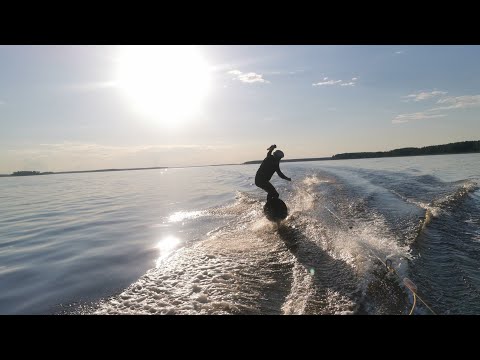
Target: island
{"points": [[452, 148], [28, 173]]}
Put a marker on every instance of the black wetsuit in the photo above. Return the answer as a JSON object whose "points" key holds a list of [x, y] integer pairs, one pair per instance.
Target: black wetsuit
{"points": [[269, 166]]}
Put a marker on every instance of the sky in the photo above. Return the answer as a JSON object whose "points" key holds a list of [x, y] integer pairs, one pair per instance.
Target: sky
{"points": [[78, 107]]}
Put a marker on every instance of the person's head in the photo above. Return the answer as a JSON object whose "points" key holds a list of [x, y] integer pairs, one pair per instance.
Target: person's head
{"points": [[278, 154]]}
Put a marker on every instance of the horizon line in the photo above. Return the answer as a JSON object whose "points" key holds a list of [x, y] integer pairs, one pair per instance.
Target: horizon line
{"points": [[250, 162]]}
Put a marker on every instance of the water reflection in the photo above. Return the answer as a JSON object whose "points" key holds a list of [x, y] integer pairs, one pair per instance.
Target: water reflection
{"points": [[166, 246], [182, 215]]}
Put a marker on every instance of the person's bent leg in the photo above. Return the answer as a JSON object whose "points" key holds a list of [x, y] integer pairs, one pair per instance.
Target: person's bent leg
{"points": [[262, 185], [272, 192], [269, 188]]}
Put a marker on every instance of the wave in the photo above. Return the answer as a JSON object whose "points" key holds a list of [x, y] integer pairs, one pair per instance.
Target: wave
{"points": [[253, 266], [441, 205]]}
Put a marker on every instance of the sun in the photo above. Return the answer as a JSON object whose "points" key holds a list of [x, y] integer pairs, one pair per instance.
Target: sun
{"points": [[166, 83]]}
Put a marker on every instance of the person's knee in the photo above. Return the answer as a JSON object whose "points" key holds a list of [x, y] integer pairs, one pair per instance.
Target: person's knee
{"points": [[260, 184]]}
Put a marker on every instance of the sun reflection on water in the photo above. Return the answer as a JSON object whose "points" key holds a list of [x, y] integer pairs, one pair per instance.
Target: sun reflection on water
{"points": [[166, 246], [182, 215]]}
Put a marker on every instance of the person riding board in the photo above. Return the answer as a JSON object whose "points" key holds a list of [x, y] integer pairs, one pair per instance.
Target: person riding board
{"points": [[265, 172]]}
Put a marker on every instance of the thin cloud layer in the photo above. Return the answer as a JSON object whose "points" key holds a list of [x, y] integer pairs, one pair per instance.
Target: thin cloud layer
{"points": [[248, 78], [423, 115], [424, 95], [448, 103], [329, 82], [459, 102]]}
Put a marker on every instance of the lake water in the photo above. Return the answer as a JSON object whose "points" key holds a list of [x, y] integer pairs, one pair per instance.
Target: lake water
{"points": [[196, 241]]}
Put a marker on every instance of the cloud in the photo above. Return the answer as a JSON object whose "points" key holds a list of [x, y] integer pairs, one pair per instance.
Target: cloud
{"points": [[326, 82], [423, 115], [458, 102], [399, 52], [424, 95], [2, 102], [449, 103], [248, 78], [252, 78]]}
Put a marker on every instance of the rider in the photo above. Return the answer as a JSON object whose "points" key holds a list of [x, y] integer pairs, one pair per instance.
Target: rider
{"points": [[270, 165]]}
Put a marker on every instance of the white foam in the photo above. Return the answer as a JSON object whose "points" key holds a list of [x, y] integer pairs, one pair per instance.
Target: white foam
{"points": [[184, 215], [223, 274], [244, 267], [296, 301]]}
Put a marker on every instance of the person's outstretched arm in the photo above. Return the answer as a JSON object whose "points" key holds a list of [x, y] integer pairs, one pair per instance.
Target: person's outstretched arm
{"points": [[282, 175], [270, 149]]}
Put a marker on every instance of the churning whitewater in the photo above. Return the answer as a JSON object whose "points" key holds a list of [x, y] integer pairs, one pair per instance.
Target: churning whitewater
{"points": [[253, 266]]}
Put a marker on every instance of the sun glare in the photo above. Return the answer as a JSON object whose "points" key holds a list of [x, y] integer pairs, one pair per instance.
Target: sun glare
{"points": [[166, 246], [167, 83]]}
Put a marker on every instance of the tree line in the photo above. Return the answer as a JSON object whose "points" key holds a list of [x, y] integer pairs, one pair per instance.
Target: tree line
{"points": [[452, 148]]}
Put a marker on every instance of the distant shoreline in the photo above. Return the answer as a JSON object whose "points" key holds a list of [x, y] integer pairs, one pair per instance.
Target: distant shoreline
{"points": [[289, 160], [359, 158], [464, 147], [33, 173]]}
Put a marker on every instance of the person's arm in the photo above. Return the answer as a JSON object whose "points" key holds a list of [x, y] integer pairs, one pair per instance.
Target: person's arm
{"points": [[270, 149], [282, 175]]}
